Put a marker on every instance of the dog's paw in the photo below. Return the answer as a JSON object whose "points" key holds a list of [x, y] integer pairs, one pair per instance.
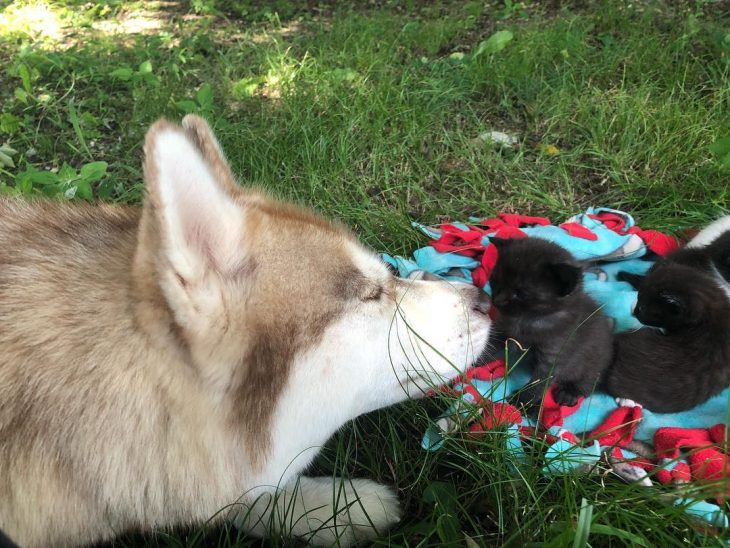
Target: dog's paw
{"points": [[339, 511], [323, 511], [365, 509], [566, 394]]}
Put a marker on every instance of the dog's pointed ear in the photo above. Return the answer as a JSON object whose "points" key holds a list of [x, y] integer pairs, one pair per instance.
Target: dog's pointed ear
{"points": [[191, 200], [567, 277], [202, 136]]}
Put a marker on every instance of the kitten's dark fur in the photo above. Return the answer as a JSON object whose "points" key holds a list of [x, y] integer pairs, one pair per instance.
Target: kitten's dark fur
{"points": [[712, 258], [537, 289], [690, 362]]}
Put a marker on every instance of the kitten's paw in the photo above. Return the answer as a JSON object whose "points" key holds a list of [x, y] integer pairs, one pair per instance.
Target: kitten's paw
{"points": [[634, 280], [626, 402], [528, 404], [566, 394], [525, 399]]}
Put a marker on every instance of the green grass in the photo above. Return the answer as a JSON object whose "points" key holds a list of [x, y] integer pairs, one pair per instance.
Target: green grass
{"points": [[370, 113]]}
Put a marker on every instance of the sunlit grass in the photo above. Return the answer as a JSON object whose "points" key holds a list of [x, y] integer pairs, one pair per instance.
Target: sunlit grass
{"points": [[36, 19]]}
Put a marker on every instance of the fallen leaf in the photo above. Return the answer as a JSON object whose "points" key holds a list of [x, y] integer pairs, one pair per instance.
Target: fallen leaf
{"points": [[550, 150]]}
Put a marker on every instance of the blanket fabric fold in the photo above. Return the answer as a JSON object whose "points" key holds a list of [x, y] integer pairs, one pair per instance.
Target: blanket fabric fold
{"points": [[687, 447]]}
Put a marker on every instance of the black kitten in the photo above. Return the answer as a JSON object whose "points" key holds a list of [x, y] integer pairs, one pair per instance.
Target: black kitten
{"points": [[537, 290], [690, 361], [713, 259]]}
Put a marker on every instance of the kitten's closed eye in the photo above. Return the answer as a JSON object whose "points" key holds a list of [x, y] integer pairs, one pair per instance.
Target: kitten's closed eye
{"points": [[671, 303], [516, 295], [506, 296]]}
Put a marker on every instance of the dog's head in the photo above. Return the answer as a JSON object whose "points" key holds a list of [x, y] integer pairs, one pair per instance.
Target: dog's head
{"points": [[269, 300]]}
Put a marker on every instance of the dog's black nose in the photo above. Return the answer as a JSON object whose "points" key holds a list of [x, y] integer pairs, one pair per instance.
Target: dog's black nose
{"points": [[482, 303]]}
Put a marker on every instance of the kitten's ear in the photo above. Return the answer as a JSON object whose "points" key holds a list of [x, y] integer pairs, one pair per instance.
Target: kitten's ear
{"points": [[632, 279], [567, 277], [500, 243]]}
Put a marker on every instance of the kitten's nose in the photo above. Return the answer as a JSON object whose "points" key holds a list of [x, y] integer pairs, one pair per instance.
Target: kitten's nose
{"points": [[482, 303]]}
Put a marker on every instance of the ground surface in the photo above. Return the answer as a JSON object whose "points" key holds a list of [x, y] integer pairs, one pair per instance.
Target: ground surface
{"points": [[372, 112]]}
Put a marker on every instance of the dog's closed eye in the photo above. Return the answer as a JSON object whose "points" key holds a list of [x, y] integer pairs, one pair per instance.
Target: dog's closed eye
{"points": [[373, 293]]}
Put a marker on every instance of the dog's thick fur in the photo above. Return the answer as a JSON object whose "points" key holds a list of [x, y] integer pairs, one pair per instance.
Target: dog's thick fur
{"points": [[160, 364]]}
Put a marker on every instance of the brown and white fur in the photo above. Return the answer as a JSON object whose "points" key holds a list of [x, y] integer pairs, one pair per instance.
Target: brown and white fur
{"points": [[159, 364]]}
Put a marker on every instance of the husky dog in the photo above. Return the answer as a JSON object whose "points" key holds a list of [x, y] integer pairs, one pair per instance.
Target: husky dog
{"points": [[159, 365]]}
